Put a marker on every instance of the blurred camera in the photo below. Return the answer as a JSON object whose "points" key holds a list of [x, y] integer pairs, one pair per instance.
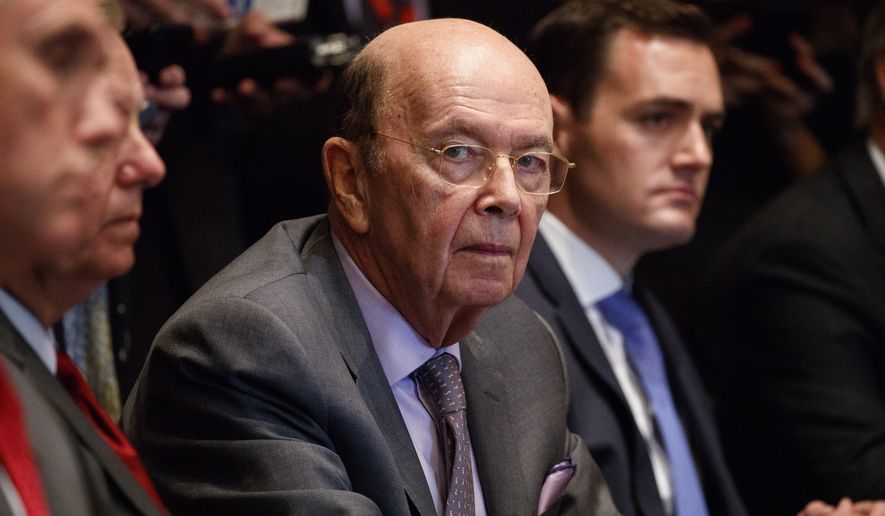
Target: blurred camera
{"points": [[162, 45]]}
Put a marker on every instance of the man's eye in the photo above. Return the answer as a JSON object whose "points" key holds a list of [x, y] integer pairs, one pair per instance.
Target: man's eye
{"points": [[60, 58], [655, 120], [458, 153], [70, 50], [711, 127], [535, 163]]}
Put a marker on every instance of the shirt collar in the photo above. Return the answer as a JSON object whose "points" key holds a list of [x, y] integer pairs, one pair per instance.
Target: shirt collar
{"points": [[399, 347], [38, 337], [877, 157], [591, 277]]}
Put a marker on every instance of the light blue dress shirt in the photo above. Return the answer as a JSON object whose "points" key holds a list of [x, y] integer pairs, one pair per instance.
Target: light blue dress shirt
{"points": [[40, 338], [401, 350], [593, 279]]}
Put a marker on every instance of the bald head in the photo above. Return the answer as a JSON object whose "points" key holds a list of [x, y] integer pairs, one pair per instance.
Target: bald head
{"points": [[415, 55], [434, 45]]}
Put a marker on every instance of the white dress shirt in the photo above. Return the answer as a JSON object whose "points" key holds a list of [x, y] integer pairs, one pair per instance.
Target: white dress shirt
{"points": [[877, 157], [40, 338], [593, 279], [401, 350]]}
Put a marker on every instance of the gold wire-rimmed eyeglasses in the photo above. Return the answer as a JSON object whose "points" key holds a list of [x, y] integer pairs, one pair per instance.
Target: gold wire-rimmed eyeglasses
{"points": [[470, 166]]}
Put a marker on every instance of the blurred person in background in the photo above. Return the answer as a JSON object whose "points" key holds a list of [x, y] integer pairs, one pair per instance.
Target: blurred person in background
{"points": [[793, 313]]}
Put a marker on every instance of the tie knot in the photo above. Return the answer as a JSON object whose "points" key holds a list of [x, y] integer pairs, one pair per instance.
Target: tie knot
{"points": [[441, 380], [622, 311]]}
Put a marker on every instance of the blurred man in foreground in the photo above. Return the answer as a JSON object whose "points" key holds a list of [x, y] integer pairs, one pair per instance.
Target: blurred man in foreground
{"points": [[74, 166]]}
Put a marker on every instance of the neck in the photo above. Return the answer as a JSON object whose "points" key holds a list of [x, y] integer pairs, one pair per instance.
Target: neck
{"points": [[443, 332], [47, 298], [438, 323]]}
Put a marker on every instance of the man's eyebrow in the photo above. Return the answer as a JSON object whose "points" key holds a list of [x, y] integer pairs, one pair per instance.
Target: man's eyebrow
{"points": [[542, 142], [77, 37], [665, 102], [465, 127], [469, 128], [70, 34], [677, 104]]}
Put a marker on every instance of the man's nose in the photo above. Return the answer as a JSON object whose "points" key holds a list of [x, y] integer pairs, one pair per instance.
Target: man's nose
{"points": [[695, 149], [500, 193], [141, 164], [99, 121]]}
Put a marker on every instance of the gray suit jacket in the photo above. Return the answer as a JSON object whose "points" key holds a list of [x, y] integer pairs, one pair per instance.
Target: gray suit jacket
{"points": [[263, 395], [81, 474]]}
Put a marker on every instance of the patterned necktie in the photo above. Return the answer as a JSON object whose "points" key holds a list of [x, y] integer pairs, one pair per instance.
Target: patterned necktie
{"points": [[15, 451], [87, 336], [622, 311], [77, 387], [440, 380]]}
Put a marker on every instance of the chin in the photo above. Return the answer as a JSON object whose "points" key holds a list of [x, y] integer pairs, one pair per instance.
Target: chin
{"points": [[116, 265], [485, 293], [672, 234]]}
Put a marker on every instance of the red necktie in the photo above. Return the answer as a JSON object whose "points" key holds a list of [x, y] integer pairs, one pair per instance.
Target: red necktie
{"points": [[73, 381], [15, 451]]}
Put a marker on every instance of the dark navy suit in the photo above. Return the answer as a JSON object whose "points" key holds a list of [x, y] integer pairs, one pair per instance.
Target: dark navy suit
{"points": [[794, 312], [598, 411]]}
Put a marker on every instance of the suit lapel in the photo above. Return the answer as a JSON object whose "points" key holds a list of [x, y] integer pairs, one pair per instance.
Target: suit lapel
{"points": [[495, 448], [355, 344], [695, 411], [19, 353], [582, 344], [865, 189], [579, 334], [372, 383]]}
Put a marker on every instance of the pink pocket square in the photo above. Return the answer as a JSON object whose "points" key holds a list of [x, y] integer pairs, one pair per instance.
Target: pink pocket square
{"points": [[555, 483]]}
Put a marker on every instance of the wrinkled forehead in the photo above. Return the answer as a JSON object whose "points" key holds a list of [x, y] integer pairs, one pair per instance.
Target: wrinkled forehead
{"points": [[466, 68]]}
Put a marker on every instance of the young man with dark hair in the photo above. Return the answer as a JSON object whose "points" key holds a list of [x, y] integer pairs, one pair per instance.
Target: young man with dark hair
{"points": [[636, 96]]}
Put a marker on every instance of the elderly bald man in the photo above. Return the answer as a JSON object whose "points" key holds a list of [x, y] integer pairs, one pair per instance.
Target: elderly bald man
{"points": [[307, 376]]}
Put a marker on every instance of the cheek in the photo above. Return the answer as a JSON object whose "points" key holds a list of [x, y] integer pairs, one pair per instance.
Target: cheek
{"points": [[414, 226], [37, 97], [529, 219], [702, 180]]}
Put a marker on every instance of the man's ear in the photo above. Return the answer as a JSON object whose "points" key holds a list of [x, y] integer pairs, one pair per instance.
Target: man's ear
{"points": [[563, 124], [345, 173]]}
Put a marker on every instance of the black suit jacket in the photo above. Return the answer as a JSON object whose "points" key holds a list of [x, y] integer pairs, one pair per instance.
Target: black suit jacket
{"points": [[81, 474], [795, 314], [598, 411]]}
